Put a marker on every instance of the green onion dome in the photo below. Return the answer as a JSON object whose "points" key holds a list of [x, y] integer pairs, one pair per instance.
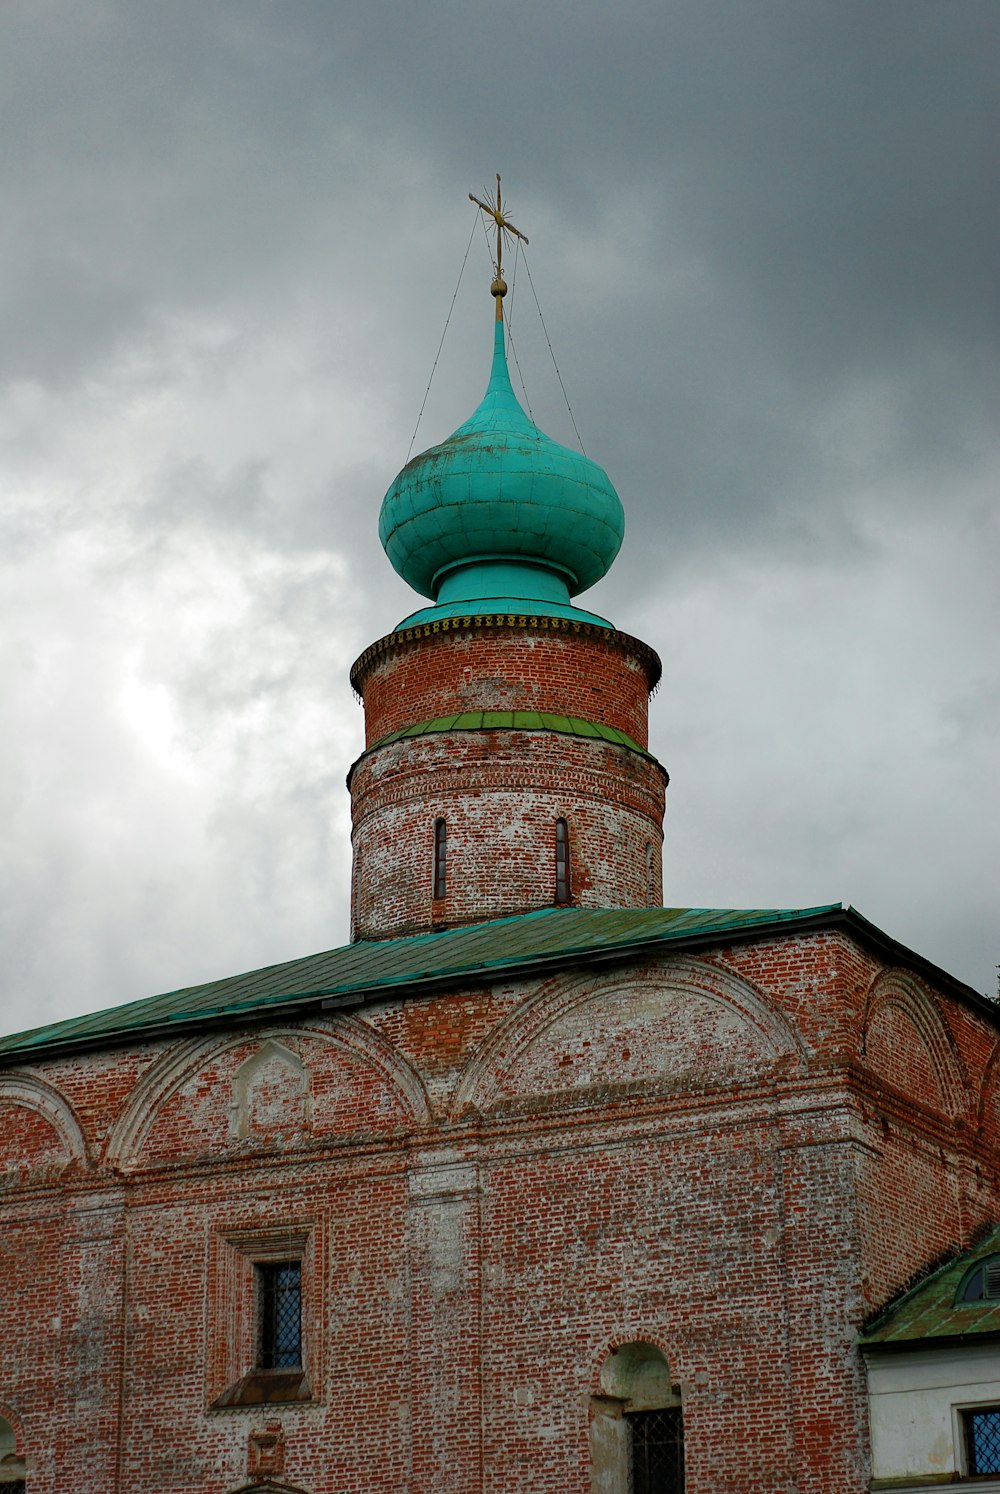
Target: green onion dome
{"points": [[501, 510]]}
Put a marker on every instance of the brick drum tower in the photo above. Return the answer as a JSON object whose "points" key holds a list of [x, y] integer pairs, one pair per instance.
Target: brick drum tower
{"points": [[506, 766]]}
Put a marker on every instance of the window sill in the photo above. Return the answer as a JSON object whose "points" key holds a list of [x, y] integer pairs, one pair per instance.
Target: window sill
{"points": [[266, 1388], [985, 1483]]}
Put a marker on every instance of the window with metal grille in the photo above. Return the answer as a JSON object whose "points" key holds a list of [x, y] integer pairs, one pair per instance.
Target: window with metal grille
{"points": [[11, 1465], [983, 1283], [279, 1289], [982, 1440], [656, 1451], [563, 885], [440, 858]]}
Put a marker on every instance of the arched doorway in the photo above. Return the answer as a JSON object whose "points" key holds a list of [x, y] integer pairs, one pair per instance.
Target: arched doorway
{"points": [[637, 1425], [11, 1464]]}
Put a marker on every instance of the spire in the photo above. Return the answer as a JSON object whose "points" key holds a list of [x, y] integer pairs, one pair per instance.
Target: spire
{"points": [[499, 371]]}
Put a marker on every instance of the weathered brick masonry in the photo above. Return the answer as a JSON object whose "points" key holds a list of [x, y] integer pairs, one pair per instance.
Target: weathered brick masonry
{"points": [[501, 791], [500, 794], [730, 1154], [506, 663]]}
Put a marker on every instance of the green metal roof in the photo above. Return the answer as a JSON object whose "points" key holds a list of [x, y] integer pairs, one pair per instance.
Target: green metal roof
{"points": [[369, 970], [929, 1310], [570, 726]]}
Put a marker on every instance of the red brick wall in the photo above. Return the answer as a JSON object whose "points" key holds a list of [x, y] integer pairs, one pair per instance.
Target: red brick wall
{"points": [[582, 671], [500, 794], [29, 1145], [496, 1186]]}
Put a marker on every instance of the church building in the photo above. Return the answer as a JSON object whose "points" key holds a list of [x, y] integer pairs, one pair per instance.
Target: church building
{"points": [[538, 1186]]}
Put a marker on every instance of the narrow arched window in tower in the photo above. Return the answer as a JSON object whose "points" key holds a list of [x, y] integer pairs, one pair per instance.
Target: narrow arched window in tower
{"points": [[440, 858], [564, 888], [650, 879]]}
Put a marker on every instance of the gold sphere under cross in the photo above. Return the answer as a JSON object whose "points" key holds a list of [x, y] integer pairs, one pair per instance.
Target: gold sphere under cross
{"points": [[495, 211]]}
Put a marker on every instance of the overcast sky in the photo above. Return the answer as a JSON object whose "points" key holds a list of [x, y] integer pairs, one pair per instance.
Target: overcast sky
{"points": [[764, 240]]}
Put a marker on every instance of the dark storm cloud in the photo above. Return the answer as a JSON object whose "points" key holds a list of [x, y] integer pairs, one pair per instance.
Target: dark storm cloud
{"points": [[763, 240], [798, 200]]}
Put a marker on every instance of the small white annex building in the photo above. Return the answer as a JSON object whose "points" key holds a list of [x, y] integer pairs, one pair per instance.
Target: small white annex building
{"points": [[933, 1361]]}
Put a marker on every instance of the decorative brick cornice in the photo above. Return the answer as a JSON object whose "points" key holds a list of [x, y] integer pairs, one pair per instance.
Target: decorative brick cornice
{"points": [[520, 721], [404, 638]]}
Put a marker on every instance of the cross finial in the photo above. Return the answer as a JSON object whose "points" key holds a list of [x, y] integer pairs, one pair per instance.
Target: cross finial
{"points": [[495, 211]]}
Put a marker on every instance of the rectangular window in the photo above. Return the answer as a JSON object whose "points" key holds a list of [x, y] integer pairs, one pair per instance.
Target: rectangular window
{"points": [[982, 1440], [265, 1290], [656, 1461], [279, 1315]]}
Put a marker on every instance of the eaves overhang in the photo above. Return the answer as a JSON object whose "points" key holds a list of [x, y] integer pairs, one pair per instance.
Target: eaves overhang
{"points": [[517, 620], [522, 946], [926, 1345]]}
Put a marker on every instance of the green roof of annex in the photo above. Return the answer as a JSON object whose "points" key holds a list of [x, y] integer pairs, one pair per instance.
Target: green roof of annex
{"points": [[931, 1309], [526, 944]]}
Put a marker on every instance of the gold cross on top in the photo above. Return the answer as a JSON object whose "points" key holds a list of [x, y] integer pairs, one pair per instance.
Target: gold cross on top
{"points": [[495, 211]]}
